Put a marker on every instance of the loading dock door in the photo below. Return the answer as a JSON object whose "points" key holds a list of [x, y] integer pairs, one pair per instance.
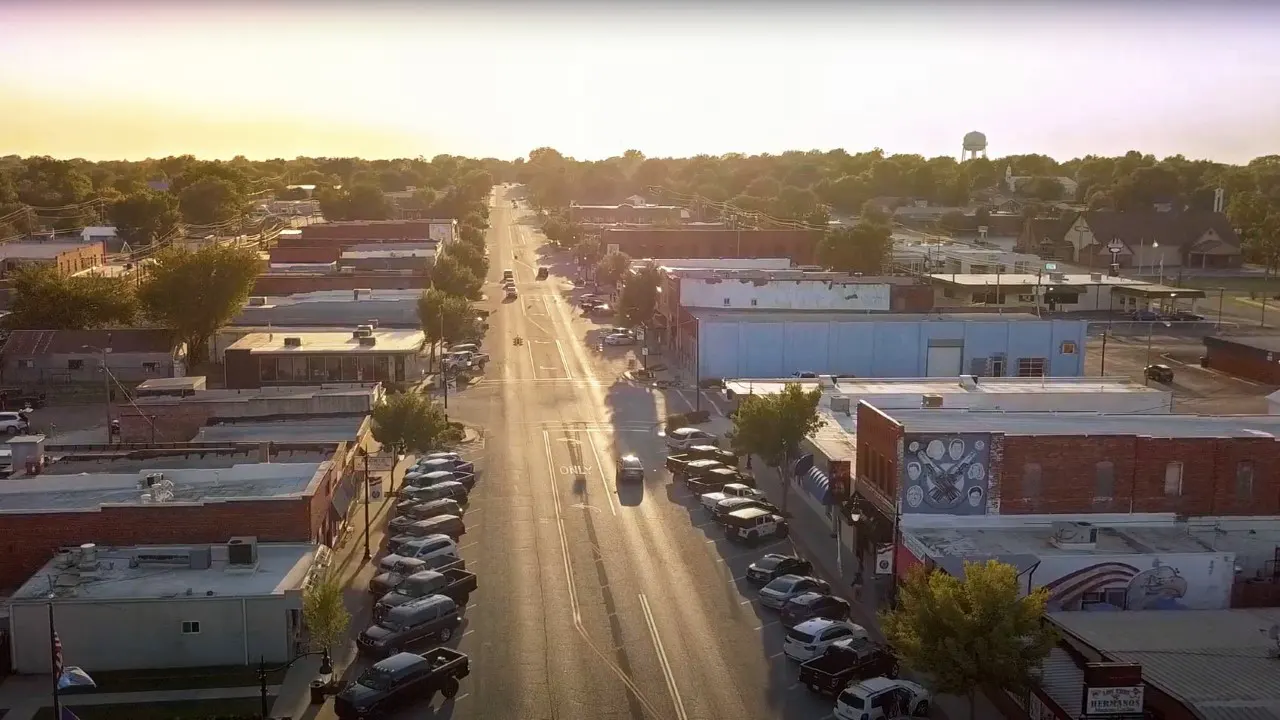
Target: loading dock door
{"points": [[943, 361]]}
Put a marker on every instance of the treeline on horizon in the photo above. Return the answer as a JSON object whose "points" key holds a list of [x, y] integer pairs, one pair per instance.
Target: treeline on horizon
{"points": [[808, 186]]}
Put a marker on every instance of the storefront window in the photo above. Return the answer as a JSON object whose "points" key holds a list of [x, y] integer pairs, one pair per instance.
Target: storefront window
{"points": [[382, 368], [315, 368], [350, 369], [267, 369], [399, 368], [291, 369], [366, 368], [333, 368]]}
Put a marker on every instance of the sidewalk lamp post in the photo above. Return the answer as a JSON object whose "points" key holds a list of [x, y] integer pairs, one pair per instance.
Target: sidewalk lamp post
{"points": [[326, 674], [367, 554]]}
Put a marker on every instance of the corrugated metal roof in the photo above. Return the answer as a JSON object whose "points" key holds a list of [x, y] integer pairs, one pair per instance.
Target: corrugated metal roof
{"points": [[1216, 661]]}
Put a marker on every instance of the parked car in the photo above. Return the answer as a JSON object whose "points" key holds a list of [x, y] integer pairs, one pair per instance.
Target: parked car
{"points": [[879, 698], [1159, 373], [451, 582], [400, 680], [619, 339], [775, 565], [730, 490], [810, 605], [630, 468], [1145, 315], [448, 489], [432, 618], [783, 588], [752, 525], [14, 423], [1186, 316], [715, 479], [729, 505], [512, 294], [450, 525], [704, 452], [811, 638], [419, 478], [685, 437], [393, 570], [461, 347], [421, 512], [847, 661]]}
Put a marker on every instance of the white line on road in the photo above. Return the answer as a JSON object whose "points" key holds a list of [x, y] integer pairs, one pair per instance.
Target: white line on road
{"points": [[608, 492], [573, 593], [533, 365], [662, 659], [564, 360]]}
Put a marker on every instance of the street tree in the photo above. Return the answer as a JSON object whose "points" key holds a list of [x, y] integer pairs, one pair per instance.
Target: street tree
{"points": [[864, 248], [588, 252], [469, 256], [639, 295], [211, 200], [44, 300], [1047, 189], [197, 292], [471, 235], [970, 633], [446, 318], [363, 201], [412, 422], [774, 426], [451, 276], [144, 217], [325, 612], [612, 268]]}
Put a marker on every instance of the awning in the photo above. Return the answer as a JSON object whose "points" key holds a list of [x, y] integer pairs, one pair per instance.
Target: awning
{"points": [[817, 485], [343, 494]]}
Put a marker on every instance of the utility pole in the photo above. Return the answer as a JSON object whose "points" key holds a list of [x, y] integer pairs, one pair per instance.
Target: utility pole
{"points": [[1222, 293], [106, 387], [367, 554]]}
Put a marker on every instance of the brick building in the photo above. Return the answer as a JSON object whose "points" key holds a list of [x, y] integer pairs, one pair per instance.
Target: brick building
{"points": [[798, 245], [956, 462], [68, 257], [219, 489], [628, 213], [368, 231], [1254, 358]]}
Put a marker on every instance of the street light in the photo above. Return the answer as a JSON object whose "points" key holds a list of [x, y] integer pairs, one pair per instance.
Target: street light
{"points": [[326, 674]]}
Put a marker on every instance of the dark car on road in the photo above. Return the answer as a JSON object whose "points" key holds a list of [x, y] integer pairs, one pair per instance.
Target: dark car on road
{"points": [[810, 605], [773, 565], [431, 618], [1159, 373], [630, 469], [400, 680]]}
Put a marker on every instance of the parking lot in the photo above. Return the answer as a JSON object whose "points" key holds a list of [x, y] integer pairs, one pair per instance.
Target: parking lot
{"points": [[1196, 389]]}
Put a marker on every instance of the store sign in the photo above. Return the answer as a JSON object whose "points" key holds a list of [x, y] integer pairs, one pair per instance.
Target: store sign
{"points": [[1107, 701], [840, 472]]}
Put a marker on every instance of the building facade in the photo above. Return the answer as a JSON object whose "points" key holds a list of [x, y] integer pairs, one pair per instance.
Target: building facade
{"points": [[1254, 358], [60, 357], [442, 231], [68, 258], [628, 214], [1146, 241], [311, 358], [798, 245], [746, 344]]}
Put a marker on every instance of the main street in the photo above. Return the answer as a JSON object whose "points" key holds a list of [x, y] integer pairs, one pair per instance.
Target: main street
{"points": [[594, 601]]}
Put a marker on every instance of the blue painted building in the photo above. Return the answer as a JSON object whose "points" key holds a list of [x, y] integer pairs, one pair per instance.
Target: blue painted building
{"points": [[771, 344]]}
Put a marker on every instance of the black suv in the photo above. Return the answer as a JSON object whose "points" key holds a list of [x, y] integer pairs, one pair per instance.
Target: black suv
{"points": [[773, 565], [402, 679], [434, 617], [812, 605]]}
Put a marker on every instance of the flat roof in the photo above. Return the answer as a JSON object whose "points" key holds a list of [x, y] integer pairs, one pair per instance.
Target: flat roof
{"points": [[339, 296], [284, 392], [1086, 423], [787, 274], [89, 491], [833, 439], [296, 430], [190, 382], [767, 315], [1266, 343], [1023, 279], [39, 250], [684, 264], [281, 567], [1216, 661], [944, 386], [968, 542], [331, 342]]}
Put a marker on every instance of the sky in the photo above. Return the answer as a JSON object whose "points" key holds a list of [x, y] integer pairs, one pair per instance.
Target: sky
{"points": [[112, 80]]}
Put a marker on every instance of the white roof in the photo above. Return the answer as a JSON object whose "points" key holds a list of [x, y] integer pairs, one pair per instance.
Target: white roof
{"points": [[1087, 423], [1043, 279], [331, 342], [945, 386], [281, 567]]}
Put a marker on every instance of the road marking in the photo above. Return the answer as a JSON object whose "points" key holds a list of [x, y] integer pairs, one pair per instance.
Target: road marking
{"points": [[533, 365], [573, 593], [564, 360], [748, 601], [608, 492], [464, 547], [769, 624], [662, 659]]}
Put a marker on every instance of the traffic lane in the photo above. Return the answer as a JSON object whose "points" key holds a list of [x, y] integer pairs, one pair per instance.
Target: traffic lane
{"points": [[711, 624]]}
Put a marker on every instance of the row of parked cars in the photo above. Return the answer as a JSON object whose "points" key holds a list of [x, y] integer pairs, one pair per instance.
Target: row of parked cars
{"points": [[421, 591], [837, 657]]}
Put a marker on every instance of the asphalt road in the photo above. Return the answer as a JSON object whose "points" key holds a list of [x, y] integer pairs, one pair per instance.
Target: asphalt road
{"points": [[595, 601], [1196, 390]]}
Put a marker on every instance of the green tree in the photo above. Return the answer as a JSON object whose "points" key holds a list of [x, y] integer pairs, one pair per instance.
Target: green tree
{"points": [[366, 202], [971, 633], [1047, 189], [211, 200], [454, 278], [195, 293], [411, 422], [44, 300], [469, 256], [639, 295], [445, 317], [774, 426], [588, 252], [144, 217], [325, 612], [612, 268], [864, 248]]}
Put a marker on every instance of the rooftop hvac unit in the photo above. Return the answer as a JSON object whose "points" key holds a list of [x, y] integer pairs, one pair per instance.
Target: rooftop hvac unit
{"points": [[242, 551], [1074, 536], [1057, 277], [257, 301], [930, 401], [201, 557], [840, 405], [368, 341], [293, 342], [969, 382], [362, 333], [373, 323]]}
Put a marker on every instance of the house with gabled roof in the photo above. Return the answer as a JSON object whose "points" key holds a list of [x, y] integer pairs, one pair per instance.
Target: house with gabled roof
{"points": [[1143, 240]]}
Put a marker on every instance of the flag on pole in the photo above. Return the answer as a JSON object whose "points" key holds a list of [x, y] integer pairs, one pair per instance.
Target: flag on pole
{"points": [[57, 655]]}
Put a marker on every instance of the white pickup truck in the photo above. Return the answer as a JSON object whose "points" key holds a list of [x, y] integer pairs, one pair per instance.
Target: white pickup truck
{"points": [[709, 500]]}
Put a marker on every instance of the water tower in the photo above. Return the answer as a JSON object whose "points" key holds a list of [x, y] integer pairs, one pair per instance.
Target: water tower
{"points": [[975, 145]]}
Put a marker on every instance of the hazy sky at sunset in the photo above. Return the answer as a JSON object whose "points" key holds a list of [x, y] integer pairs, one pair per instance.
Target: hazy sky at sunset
{"points": [[111, 80]]}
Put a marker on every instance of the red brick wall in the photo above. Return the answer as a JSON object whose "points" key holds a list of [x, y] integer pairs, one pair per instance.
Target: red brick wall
{"points": [[364, 232], [1243, 362], [173, 423], [877, 455], [1068, 474], [327, 254], [289, 284], [28, 541], [911, 298], [798, 245]]}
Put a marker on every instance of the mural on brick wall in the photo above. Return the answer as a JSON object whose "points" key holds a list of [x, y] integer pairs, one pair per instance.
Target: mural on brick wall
{"points": [[945, 473], [1119, 586]]}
